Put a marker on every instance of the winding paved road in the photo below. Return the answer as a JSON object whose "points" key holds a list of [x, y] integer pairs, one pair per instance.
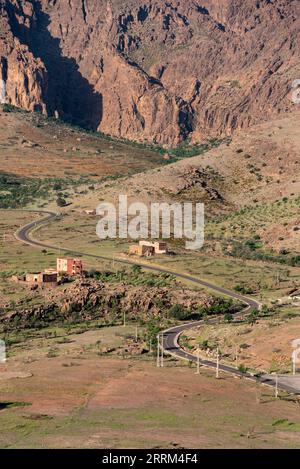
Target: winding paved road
{"points": [[170, 336]]}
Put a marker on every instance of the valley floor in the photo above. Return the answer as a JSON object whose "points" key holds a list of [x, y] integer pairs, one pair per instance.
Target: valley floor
{"points": [[78, 398], [73, 387], [75, 390]]}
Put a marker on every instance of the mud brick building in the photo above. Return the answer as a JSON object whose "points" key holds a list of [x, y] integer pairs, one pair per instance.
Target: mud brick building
{"points": [[160, 247], [148, 248], [47, 279], [142, 251], [69, 266]]}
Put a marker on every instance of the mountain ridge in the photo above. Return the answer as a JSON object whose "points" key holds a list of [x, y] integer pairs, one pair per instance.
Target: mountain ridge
{"points": [[152, 70]]}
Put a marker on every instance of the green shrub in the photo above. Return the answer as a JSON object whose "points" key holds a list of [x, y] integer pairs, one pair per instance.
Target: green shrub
{"points": [[242, 368], [177, 312], [61, 202], [10, 108], [228, 317]]}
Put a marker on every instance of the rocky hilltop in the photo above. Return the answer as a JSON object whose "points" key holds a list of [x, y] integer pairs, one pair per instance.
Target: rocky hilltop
{"points": [[162, 71]]}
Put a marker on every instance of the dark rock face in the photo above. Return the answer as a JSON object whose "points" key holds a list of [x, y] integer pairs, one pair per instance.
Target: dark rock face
{"points": [[150, 69]]}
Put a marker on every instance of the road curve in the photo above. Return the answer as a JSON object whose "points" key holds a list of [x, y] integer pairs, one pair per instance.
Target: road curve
{"points": [[170, 336]]}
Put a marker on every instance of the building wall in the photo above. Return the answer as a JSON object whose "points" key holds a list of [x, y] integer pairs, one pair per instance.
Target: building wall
{"points": [[74, 267], [69, 266], [62, 264], [145, 251], [34, 278], [160, 247], [49, 278], [41, 278], [141, 250]]}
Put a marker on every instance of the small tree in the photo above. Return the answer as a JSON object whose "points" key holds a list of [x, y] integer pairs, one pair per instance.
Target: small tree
{"points": [[265, 310], [253, 316], [136, 269], [61, 202], [228, 317], [177, 312], [152, 332], [243, 368], [57, 186]]}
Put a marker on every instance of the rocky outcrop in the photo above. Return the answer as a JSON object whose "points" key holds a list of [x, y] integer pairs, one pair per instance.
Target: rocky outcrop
{"points": [[23, 77], [150, 69], [88, 299]]}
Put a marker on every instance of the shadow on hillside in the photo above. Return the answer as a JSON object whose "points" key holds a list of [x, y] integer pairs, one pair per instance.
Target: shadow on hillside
{"points": [[68, 92]]}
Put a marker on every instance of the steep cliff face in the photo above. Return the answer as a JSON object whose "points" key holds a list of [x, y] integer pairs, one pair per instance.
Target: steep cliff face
{"points": [[23, 77], [150, 69]]}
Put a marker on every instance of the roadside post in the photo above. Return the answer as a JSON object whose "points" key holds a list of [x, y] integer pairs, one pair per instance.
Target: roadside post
{"points": [[217, 369], [294, 362], [162, 351], [158, 354], [198, 360]]}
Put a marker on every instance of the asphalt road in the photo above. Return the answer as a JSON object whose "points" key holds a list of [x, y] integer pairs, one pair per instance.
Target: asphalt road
{"points": [[170, 336]]}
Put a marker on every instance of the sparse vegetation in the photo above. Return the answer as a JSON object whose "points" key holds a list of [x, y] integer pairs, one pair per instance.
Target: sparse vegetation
{"points": [[16, 192], [10, 108], [243, 368], [239, 238]]}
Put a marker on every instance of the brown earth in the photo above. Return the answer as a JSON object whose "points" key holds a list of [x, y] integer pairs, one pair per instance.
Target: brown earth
{"points": [[152, 70], [265, 346], [27, 139], [86, 401]]}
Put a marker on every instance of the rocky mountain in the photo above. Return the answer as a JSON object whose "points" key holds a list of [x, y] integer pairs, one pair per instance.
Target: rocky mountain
{"points": [[154, 70]]}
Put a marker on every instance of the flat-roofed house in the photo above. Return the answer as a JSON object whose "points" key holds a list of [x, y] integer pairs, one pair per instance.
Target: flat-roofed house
{"points": [[42, 278], [160, 247], [69, 266], [142, 251]]}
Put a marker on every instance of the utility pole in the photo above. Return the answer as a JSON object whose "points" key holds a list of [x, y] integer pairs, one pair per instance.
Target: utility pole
{"points": [[162, 351], [136, 333], [294, 362], [150, 345], [276, 387], [217, 369], [124, 319], [198, 361], [158, 354]]}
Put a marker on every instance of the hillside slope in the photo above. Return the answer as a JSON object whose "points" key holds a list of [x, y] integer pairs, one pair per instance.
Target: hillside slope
{"points": [[260, 165], [248, 186]]}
